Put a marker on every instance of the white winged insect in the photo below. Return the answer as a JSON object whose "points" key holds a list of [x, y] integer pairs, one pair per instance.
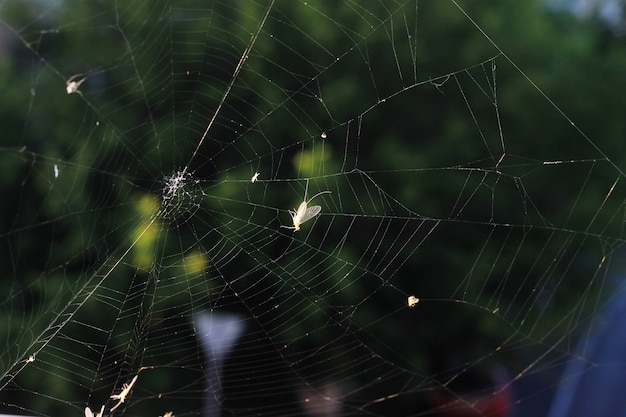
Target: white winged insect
{"points": [[73, 83], [412, 301], [304, 213], [89, 413], [121, 397]]}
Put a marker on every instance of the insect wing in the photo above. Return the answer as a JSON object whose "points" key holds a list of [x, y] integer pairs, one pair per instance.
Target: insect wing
{"points": [[301, 210], [88, 412], [310, 213]]}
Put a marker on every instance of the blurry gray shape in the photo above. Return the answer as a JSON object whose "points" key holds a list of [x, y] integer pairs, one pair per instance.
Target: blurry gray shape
{"points": [[217, 333], [593, 381], [612, 12]]}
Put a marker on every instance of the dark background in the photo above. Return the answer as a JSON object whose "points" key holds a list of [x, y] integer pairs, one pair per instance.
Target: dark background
{"points": [[475, 156]]}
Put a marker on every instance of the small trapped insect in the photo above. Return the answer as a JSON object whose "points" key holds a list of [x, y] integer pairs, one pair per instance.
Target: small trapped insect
{"points": [[255, 177], [122, 395], [323, 135], [89, 413], [30, 359], [412, 301], [73, 83], [304, 213], [56, 171]]}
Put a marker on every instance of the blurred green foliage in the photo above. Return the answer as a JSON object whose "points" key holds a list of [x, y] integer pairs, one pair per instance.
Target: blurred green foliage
{"points": [[424, 184]]}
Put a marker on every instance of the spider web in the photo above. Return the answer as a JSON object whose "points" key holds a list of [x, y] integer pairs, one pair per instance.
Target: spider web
{"points": [[467, 239]]}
